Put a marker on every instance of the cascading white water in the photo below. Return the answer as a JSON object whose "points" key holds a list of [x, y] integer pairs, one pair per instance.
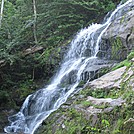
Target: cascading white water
{"points": [[38, 106]]}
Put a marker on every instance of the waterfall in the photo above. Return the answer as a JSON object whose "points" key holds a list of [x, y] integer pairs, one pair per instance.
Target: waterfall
{"points": [[81, 55]]}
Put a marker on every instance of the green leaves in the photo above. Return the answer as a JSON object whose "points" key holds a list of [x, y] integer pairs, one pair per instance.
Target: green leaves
{"points": [[57, 21]]}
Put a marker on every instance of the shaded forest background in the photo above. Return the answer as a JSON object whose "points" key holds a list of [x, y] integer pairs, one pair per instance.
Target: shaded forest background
{"points": [[33, 39]]}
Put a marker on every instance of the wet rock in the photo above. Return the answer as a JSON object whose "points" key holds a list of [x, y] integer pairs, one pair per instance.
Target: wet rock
{"points": [[131, 82], [108, 109], [117, 41], [93, 110], [94, 119], [87, 53], [109, 80], [72, 76], [69, 78], [106, 101], [91, 71], [81, 96], [4, 118]]}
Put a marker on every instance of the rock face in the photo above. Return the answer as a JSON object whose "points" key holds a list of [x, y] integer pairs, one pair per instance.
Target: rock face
{"points": [[118, 39], [109, 101], [109, 80]]}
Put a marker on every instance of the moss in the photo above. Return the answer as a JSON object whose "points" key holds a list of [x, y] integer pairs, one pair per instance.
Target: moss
{"points": [[123, 63], [102, 93], [81, 84], [97, 93], [122, 19], [86, 103], [102, 106], [130, 56], [77, 123], [116, 48], [101, 72]]}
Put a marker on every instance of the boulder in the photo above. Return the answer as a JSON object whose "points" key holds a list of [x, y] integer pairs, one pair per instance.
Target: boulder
{"points": [[109, 80], [118, 40]]}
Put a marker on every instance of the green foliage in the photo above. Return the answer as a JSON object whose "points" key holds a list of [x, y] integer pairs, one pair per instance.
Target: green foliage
{"points": [[57, 21], [90, 130], [126, 62], [131, 55], [105, 123], [86, 103], [81, 84], [4, 96], [98, 93], [26, 88], [121, 64], [79, 120], [116, 46]]}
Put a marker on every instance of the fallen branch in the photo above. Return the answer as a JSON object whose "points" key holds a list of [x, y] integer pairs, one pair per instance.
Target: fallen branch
{"points": [[26, 52], [31, 50]]}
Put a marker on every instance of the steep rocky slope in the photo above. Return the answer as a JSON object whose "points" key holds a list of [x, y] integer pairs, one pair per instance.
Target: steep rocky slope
{"points": [[118, 39], [105, 105]]}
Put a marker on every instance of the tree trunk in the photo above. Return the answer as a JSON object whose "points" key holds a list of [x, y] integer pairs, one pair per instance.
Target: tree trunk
{"points": [[35, 18], [1, 12]]}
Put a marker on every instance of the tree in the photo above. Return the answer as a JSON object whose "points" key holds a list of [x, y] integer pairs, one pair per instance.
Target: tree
{"points": [[35, 18], [47, 23], [1, 12]]}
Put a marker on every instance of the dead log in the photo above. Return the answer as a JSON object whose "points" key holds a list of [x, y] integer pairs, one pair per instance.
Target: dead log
{"points": [[31, 50], [26, 52]]}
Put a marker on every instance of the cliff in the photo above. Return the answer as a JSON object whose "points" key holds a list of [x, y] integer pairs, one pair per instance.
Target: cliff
{"points": [[118, 40]]}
